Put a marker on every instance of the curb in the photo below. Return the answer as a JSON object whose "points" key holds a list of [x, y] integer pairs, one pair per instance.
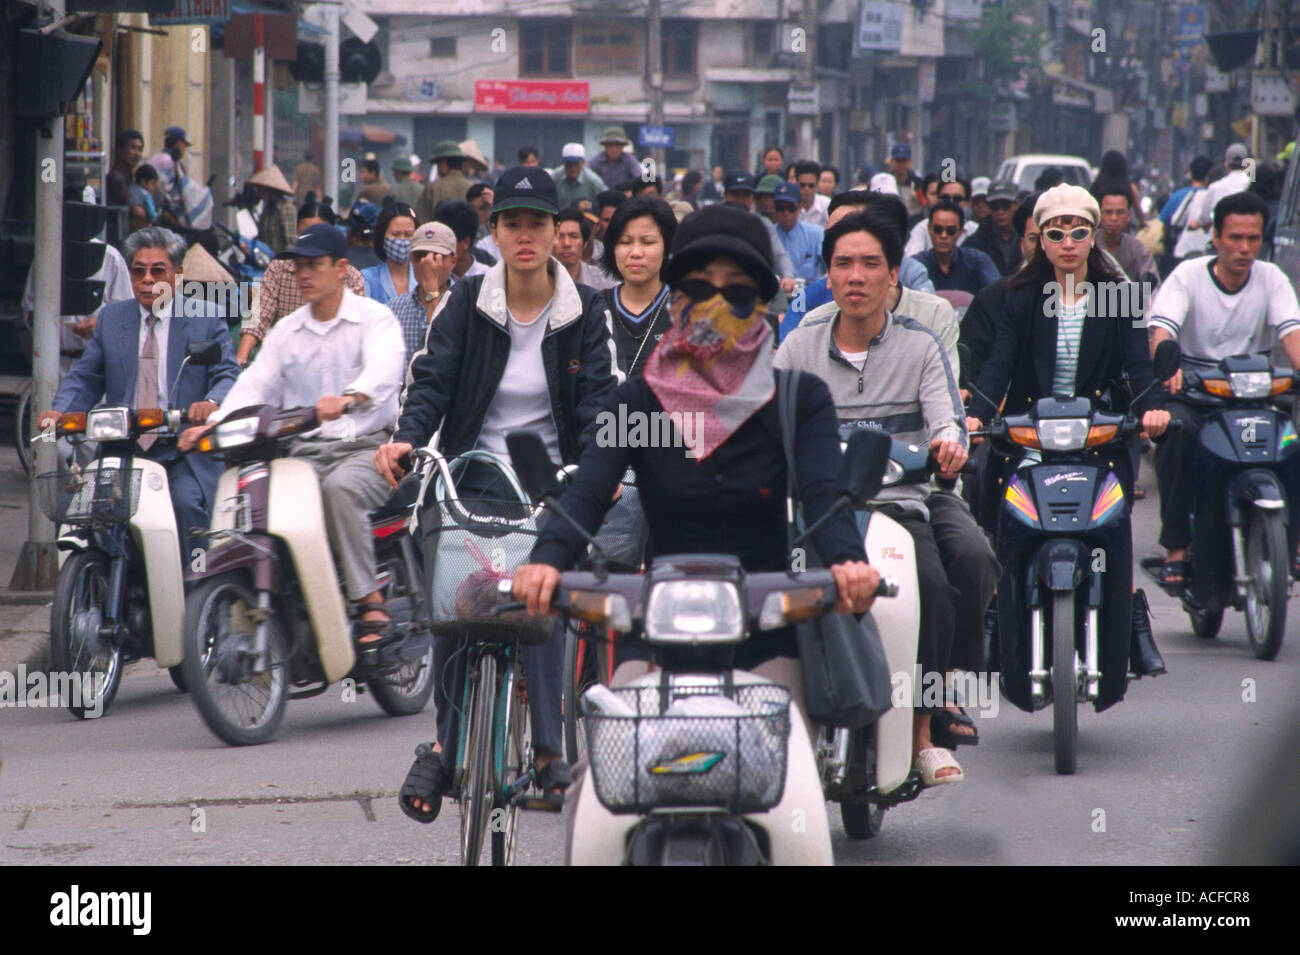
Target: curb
{"points": [[25, 598], [35, 658]]}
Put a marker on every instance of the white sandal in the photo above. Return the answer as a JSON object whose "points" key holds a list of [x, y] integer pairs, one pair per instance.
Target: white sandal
{"points": [[930, 761]]}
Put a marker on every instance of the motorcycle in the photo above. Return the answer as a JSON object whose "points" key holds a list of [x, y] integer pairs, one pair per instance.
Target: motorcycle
{"points": [[869, 770], [117, 597], [242, 253], [698, 763], [1057, 517], [265, 620], [1247, 455]]}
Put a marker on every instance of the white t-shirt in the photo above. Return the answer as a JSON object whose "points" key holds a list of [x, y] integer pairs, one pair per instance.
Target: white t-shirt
{"points": [[1210, 322], [1202, 211], [817, 214], [918, 240], [523, 398]]}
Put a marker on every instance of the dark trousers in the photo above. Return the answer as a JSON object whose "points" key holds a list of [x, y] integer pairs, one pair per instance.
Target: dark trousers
{"points": [[972, 571], [1176, 475], [191, 498], [938, 599]]}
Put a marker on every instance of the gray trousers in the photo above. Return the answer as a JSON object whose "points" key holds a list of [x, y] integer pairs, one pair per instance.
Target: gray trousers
{"points": [[350, 488], [973, 572]]}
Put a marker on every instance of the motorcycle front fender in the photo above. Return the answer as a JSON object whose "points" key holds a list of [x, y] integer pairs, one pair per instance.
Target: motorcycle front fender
{"points": [[1258, 488], [1062, 563], [153, 527]]}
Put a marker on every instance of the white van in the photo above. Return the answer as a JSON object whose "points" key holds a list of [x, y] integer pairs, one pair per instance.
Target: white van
{"points": [[1024, 170]]}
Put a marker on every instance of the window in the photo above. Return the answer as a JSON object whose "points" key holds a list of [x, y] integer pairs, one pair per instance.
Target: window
{"points": [[679, 47], [764, 39], [545, 48], [442, 46], [607, 48]]}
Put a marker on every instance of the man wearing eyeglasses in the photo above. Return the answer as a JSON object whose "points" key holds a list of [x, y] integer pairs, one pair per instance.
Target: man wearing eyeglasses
{"points": [[134, 358], [812, 204], [802, 240], [952, 266], [918, 239], [996, 236]]}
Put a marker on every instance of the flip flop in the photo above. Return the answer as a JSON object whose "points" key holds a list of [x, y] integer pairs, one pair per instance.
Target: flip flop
{"points": [[933, 760], [942, 734]]}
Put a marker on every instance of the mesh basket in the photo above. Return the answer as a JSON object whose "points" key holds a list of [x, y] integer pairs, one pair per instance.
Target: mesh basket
{"points": [[478, 543], [705, 750], [97, 497]]}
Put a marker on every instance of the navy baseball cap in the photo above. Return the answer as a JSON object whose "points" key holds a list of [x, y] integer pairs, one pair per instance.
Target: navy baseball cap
{"points": [[526, 187], [900, 151], [316, 240], [738, 180], [174, 134], [786, 192]]}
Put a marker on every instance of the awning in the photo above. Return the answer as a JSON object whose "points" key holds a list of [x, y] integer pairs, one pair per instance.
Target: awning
{"points": [[375, 135], [1103, 100]]}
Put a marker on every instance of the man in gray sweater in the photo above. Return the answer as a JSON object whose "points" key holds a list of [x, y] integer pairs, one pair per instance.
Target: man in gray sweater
{"points": [[890, 372]]}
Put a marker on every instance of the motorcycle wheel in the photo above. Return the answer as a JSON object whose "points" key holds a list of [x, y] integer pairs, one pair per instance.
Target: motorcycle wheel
{"points": [[862, 820], [241, 708], [178, 678], [23, 427], [1269, 571], [80, 593], [406, 691], [476, 789], [1205, 623], [519, 756], [1065, 724]]}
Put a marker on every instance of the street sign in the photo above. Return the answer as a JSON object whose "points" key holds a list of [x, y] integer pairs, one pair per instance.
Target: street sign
{"points": [[1271, 94], [802, 100], [531, 96], [880, 27], [361, 25], [656, 137], [352, 98]]}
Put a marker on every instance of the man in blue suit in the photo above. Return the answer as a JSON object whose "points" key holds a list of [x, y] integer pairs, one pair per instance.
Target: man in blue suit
{"points": [[150, 332]]}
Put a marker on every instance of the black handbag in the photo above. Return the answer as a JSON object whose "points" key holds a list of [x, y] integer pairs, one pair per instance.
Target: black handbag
{"points": [[845, 672]]}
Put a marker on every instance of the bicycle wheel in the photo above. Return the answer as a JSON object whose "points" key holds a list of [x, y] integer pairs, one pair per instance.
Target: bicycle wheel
{"points": [[1270, 578], [518, 757], [476, 782], [77, 647], [23, 427]]}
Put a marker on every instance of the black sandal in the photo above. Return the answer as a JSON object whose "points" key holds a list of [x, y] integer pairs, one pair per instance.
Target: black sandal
{"points": [[941, 729], [382, 629], [426, 782], [1172, 576], [553, 778]]}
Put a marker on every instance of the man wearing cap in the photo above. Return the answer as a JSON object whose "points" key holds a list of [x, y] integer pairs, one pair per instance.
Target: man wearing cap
{"points": [[996, 236], [900, 166], [1235, 158], [168, 162], [573, 180], [802, 240], [738, 190], [979, 199], [373, 184], [764, 196], [614, 165], [342, 354], [433, 252], [278, 223], [451, 182], [404, 189]]}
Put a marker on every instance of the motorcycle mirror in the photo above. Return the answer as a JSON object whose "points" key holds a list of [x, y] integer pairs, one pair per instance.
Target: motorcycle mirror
{"points": [[1167, 358], [532, 463], [245, 223], [206, 352], [862, 469]]}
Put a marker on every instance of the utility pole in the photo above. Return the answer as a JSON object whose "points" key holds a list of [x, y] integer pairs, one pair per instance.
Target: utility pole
{"points": [[655, 75], [331, 169], [38, 564], [808, 77]]}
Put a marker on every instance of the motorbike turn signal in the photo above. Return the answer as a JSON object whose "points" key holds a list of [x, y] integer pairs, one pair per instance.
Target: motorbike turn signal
{"points": [[72, 422]]}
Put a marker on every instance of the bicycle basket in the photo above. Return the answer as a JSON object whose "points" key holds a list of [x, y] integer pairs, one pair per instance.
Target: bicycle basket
{"points": [[704, 749], [97, 497], [478, 543]]}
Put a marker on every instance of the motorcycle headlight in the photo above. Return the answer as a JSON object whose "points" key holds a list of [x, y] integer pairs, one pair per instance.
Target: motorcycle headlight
{"points": [[108, 424], [230, 434], [694, 611], [1251, 384], [1063, 434]]}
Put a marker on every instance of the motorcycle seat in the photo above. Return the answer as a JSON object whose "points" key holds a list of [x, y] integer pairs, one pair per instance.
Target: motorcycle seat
{"points": [[399, 502]]}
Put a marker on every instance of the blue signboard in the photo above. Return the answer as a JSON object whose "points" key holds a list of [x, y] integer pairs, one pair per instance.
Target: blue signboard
{"points": [[656, 137]]}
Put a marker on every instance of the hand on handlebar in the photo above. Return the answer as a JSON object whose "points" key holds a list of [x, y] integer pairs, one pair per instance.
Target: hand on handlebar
{"points": [[535, 584], [1154, 423], [189, 438], [949, 456], [856, 582], [973, 425], [48, 421], [199, 411], [387, 460]]}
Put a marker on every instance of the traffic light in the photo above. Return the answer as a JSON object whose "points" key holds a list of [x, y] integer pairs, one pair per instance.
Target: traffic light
{"points": [[359, 62], [82, 221], [309, 67], [53, 70]]}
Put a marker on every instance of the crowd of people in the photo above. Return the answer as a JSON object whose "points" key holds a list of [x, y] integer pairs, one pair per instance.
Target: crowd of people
{"points": [[485, 301]]}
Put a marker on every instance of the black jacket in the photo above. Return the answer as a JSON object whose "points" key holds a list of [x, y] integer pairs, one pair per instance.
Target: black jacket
{"points": [[454, 379], [1023, 361], [986, 239], [635, 345], [979, 329]]}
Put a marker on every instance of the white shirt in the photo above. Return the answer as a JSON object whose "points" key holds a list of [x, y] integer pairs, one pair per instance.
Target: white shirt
{"points": [[302, 360], [817, 214], [475, 268], [488, 245], [1212, 323], [1202, 211], [918, 240], [523, 397], [117, 288]]}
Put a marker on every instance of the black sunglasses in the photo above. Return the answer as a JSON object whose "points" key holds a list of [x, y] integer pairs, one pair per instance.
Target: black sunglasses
{"points": [[698, 290], [945, 229], [786, 207]]}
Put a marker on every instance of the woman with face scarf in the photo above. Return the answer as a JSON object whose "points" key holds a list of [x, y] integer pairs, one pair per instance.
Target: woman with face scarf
{"points": [[723, 489], [393, 276]]}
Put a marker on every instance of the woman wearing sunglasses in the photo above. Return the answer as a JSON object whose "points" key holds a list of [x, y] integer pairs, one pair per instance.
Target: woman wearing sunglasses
{"points": [[1070, 325], [722, 490]]}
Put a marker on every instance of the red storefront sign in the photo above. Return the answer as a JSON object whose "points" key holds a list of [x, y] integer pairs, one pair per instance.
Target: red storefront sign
{"points": [[531, 96]]}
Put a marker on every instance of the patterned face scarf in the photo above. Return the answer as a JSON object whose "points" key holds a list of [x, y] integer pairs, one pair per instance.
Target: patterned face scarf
{"points": [[397, 250], [715, 364]]}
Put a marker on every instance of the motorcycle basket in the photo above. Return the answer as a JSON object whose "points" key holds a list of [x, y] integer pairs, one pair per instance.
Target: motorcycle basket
{"points": [[716, 751], [95, 498]]}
